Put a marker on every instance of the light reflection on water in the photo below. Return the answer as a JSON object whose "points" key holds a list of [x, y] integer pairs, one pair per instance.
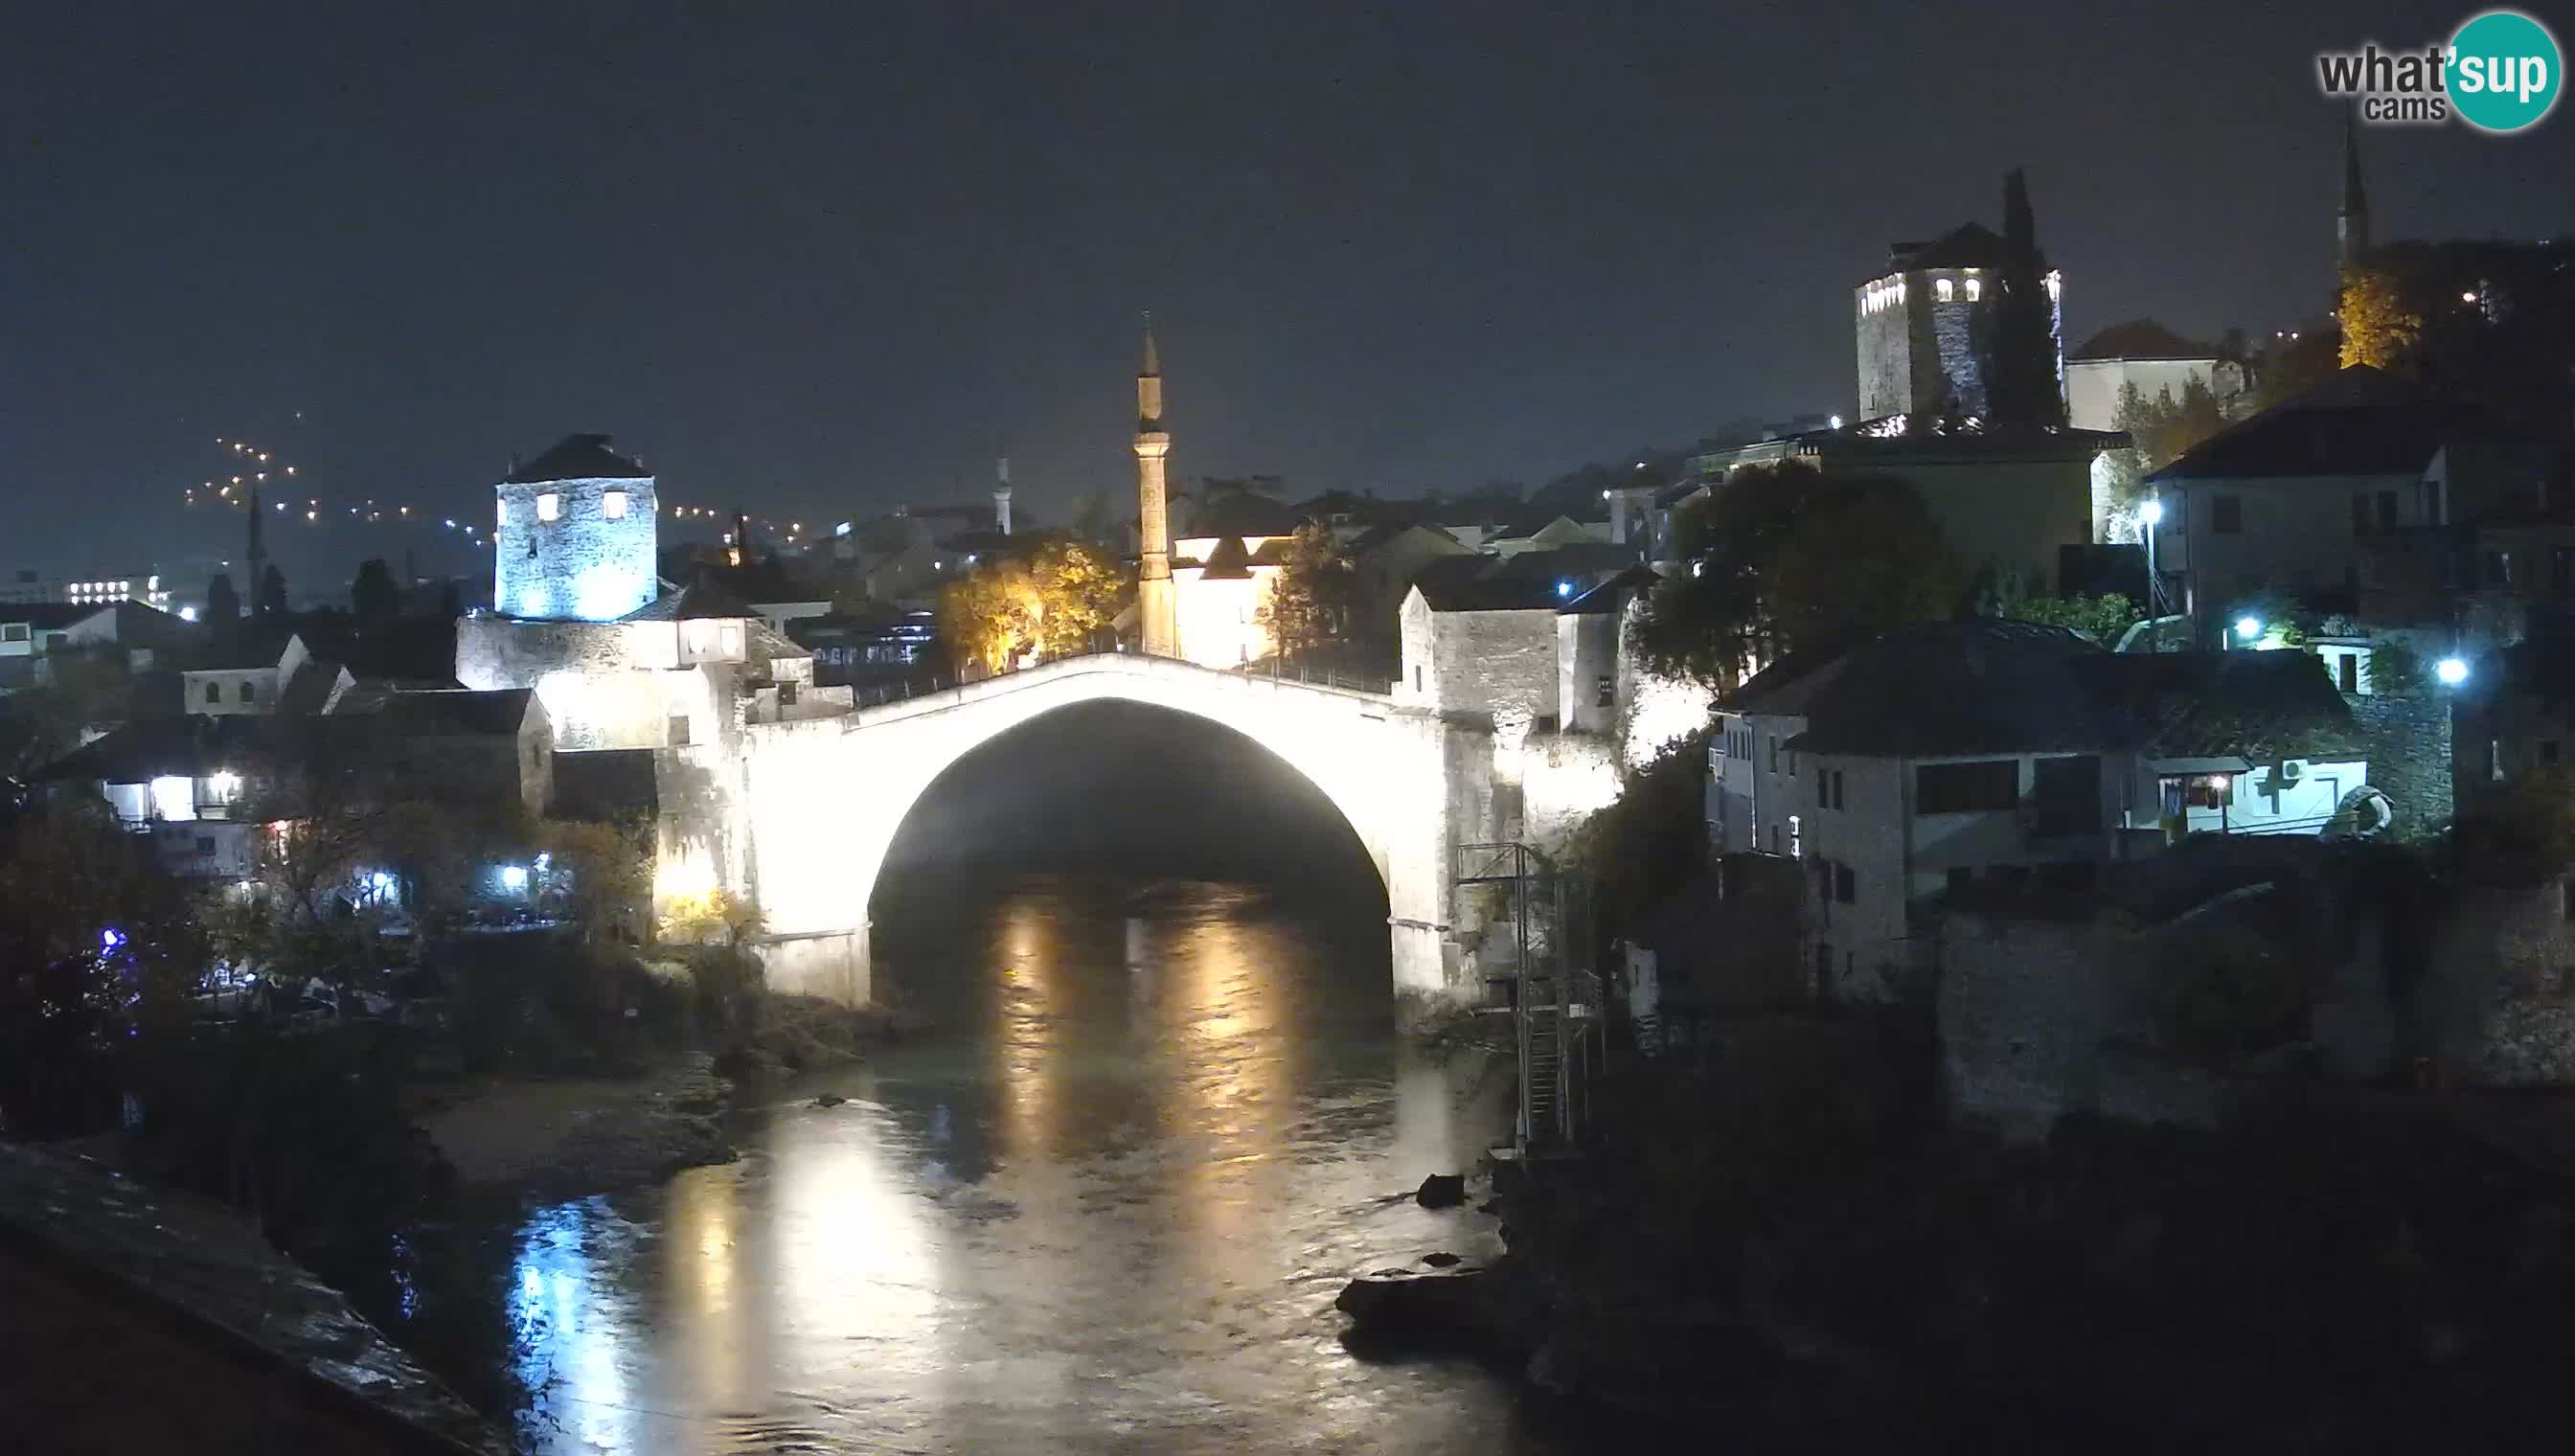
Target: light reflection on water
{"points": [[1104, 1205]]}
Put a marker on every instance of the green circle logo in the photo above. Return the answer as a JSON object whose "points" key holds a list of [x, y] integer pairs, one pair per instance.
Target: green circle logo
{"points": [[2504, 71]]}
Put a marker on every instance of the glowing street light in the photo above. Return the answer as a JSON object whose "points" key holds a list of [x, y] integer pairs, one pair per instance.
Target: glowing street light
{"points": [[2248, 628], [2451, 671], [514, 876], [2151, 513]]}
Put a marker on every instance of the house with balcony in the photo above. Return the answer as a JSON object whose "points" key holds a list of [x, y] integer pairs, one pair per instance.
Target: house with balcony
{"points": [[1935, 758]]}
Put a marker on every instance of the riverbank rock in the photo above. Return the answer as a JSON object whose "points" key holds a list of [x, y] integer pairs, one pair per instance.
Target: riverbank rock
{"points": [[1442, 1190], [829, 1100]]}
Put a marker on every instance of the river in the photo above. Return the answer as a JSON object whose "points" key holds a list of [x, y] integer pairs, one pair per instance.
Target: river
{"points": [[1103, 1204]]}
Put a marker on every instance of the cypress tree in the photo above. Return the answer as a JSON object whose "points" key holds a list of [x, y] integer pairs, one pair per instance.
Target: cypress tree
{"points": [[2020, 357]]}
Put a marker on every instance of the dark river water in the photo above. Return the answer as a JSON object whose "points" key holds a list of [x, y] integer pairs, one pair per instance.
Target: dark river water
{"points": [[1103, 1204]]}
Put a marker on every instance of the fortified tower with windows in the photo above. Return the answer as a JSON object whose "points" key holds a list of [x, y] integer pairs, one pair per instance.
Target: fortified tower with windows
{"points": [[576, 538], [1925, 326]]}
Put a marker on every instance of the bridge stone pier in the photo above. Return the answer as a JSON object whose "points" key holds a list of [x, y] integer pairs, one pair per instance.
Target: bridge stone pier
{"points": [[819, 802]]}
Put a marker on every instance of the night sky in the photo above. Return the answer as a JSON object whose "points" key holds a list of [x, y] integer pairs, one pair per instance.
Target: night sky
{"points": [[822, 258]]}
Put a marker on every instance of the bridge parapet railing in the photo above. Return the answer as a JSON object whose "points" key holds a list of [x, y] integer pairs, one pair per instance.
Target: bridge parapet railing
{"points": [[936, 682]]}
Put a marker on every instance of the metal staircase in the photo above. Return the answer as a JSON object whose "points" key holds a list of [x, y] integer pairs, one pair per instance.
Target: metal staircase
{"points": [[1553, 1003]]}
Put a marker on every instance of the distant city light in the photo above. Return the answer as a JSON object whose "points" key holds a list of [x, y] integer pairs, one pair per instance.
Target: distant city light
{"points": [[2151, 513], [514, 876], [110, 939], [2451, 671], [1835, 420], [1564, 588], [2248, 628], [187, 614], [2468, 297]]}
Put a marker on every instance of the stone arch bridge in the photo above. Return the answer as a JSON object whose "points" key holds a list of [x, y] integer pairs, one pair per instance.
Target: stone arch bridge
{"points": [[812, 805]]}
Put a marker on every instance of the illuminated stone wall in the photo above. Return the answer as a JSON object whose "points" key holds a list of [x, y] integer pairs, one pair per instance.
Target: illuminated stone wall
{"points": [[583, 564], [823, 798]]}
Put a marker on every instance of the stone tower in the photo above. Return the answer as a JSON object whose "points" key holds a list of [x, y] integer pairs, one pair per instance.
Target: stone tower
{"points": [[1157, 609], [2351, 225], [1001, 494], [578, 530]]}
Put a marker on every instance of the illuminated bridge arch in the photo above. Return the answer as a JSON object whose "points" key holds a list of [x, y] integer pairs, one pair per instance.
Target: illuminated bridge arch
{"points": [[822, 799]]}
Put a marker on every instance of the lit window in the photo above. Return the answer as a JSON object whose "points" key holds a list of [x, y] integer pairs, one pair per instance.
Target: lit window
{"points": [[549, 506], [1943, 289], [505, 513], [613, 505], [1975, 289]]}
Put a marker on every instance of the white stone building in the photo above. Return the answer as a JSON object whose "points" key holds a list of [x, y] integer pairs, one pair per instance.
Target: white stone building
{"points": [[1937, 758]]}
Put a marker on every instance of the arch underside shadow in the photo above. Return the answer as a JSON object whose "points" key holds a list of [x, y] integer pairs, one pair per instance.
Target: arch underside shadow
{"points": [[827, 799]]}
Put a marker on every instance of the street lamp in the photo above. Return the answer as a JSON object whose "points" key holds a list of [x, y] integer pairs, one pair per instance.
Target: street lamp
{"points": [[2451, 671], [2248, 628], [2152, 514]]}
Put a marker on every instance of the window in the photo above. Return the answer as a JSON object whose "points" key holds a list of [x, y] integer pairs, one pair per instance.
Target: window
{"points": [[2387, 510], [2561, 569], [2548, 751], [1417, 676], [1975, 289], [250, 693], [2360, 513], [214, 693], [2348, 672], [679, 730], [1774, 756], [205, 844], [1845, 882], [2065, 796], [2226, 514], [13, 632], [1837, 789], [1797, 837], [612, 505], [1824, 790], [550, 506], [2198, 791], [505, 513], [1942, 289], [1823, 966], [1941, 788], [1608, 696]]}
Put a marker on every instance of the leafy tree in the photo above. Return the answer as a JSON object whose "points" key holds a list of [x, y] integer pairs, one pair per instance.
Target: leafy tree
{"points": [[990, 616], [1079, 592], [2103, 618], [98, 949], [222, 603], [1310, 600], [2380, 326], [2165, 429], [373, 598], [444, 851], [83, 688], [2293, 366], [1778, 558], [272, 593], [1867, 558], [2396, 669], [598, 875], [2020, 357], [712, 918]]}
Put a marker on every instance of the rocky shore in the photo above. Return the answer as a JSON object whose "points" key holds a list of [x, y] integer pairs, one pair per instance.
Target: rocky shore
{"points": [[558, 1138]]}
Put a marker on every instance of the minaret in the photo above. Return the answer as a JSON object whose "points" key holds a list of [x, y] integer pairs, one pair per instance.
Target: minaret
{"points": [[1157, 609], [256, 555], [1001, 494], [2351, 225]]}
